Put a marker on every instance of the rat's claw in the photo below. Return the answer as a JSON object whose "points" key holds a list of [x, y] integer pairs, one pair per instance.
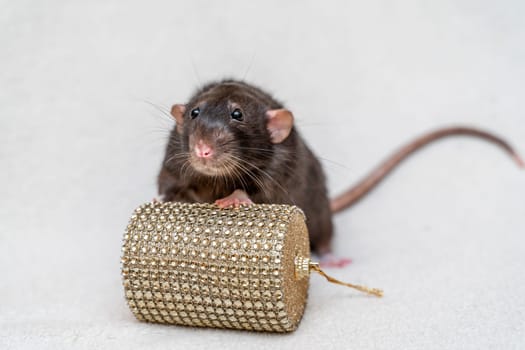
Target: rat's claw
{"points": [[237, 198], [235, 202]]}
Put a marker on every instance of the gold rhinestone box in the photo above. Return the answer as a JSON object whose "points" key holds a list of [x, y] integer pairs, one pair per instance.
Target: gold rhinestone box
{"points": [[198, 265]]}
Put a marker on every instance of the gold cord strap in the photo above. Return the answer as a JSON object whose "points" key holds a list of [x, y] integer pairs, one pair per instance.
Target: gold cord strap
{"points": [[373, 291]]}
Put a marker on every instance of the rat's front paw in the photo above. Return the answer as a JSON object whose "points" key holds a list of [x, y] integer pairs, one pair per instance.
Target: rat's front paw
{"points": [[329, 260], [237, 198]]}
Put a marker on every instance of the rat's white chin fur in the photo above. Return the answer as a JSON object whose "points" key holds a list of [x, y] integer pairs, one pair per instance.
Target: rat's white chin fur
{"points": [[209, 167]]}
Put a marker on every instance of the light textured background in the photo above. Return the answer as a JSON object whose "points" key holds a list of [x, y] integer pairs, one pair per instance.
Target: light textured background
{"points": [[80, 147]]}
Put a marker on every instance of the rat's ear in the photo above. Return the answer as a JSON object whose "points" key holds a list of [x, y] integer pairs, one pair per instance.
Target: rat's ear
{"points": [[177, 111], [279, 124]]}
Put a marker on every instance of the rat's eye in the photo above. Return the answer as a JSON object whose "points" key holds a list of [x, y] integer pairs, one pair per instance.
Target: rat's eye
{"points": [[237, 114], [194, 113]]}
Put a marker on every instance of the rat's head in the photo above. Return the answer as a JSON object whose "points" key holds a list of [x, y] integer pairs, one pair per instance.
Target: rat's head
{"points": [[229, 129]]}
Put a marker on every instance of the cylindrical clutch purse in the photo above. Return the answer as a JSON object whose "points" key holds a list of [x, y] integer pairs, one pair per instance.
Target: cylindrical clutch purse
{"points": [[198, 265]]}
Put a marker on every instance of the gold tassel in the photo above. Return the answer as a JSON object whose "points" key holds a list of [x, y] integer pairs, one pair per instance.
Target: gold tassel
{"points": [[373, 291]]}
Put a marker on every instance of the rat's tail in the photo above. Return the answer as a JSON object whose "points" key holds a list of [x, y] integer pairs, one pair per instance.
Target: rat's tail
{"points": [[364, 186]]}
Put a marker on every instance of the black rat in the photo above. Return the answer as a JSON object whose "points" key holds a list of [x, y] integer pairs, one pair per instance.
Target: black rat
{"points": [[233, 144]]}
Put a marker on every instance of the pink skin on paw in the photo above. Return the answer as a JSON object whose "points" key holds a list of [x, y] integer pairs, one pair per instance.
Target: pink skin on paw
{"points": [[237, 198], [331, 261]]}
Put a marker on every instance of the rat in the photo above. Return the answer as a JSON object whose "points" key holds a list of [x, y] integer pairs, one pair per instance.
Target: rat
{"points": [[234, 144]]}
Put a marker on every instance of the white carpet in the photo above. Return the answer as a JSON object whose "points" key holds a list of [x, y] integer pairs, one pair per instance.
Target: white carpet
{"points": [[80, 147]]}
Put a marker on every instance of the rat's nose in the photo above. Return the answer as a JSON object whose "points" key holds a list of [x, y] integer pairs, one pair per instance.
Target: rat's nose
{"points": [[203, 150]]}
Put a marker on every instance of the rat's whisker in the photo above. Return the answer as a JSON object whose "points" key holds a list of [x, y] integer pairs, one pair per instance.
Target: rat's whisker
{"points": [[333, 162], [233, 169], [268, 176], [243, 169], [177, 156], [163, 110]]}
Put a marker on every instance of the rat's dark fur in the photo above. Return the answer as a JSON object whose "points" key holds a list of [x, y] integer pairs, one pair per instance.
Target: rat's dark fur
{"points": [[269, 169], [286, 172]]}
